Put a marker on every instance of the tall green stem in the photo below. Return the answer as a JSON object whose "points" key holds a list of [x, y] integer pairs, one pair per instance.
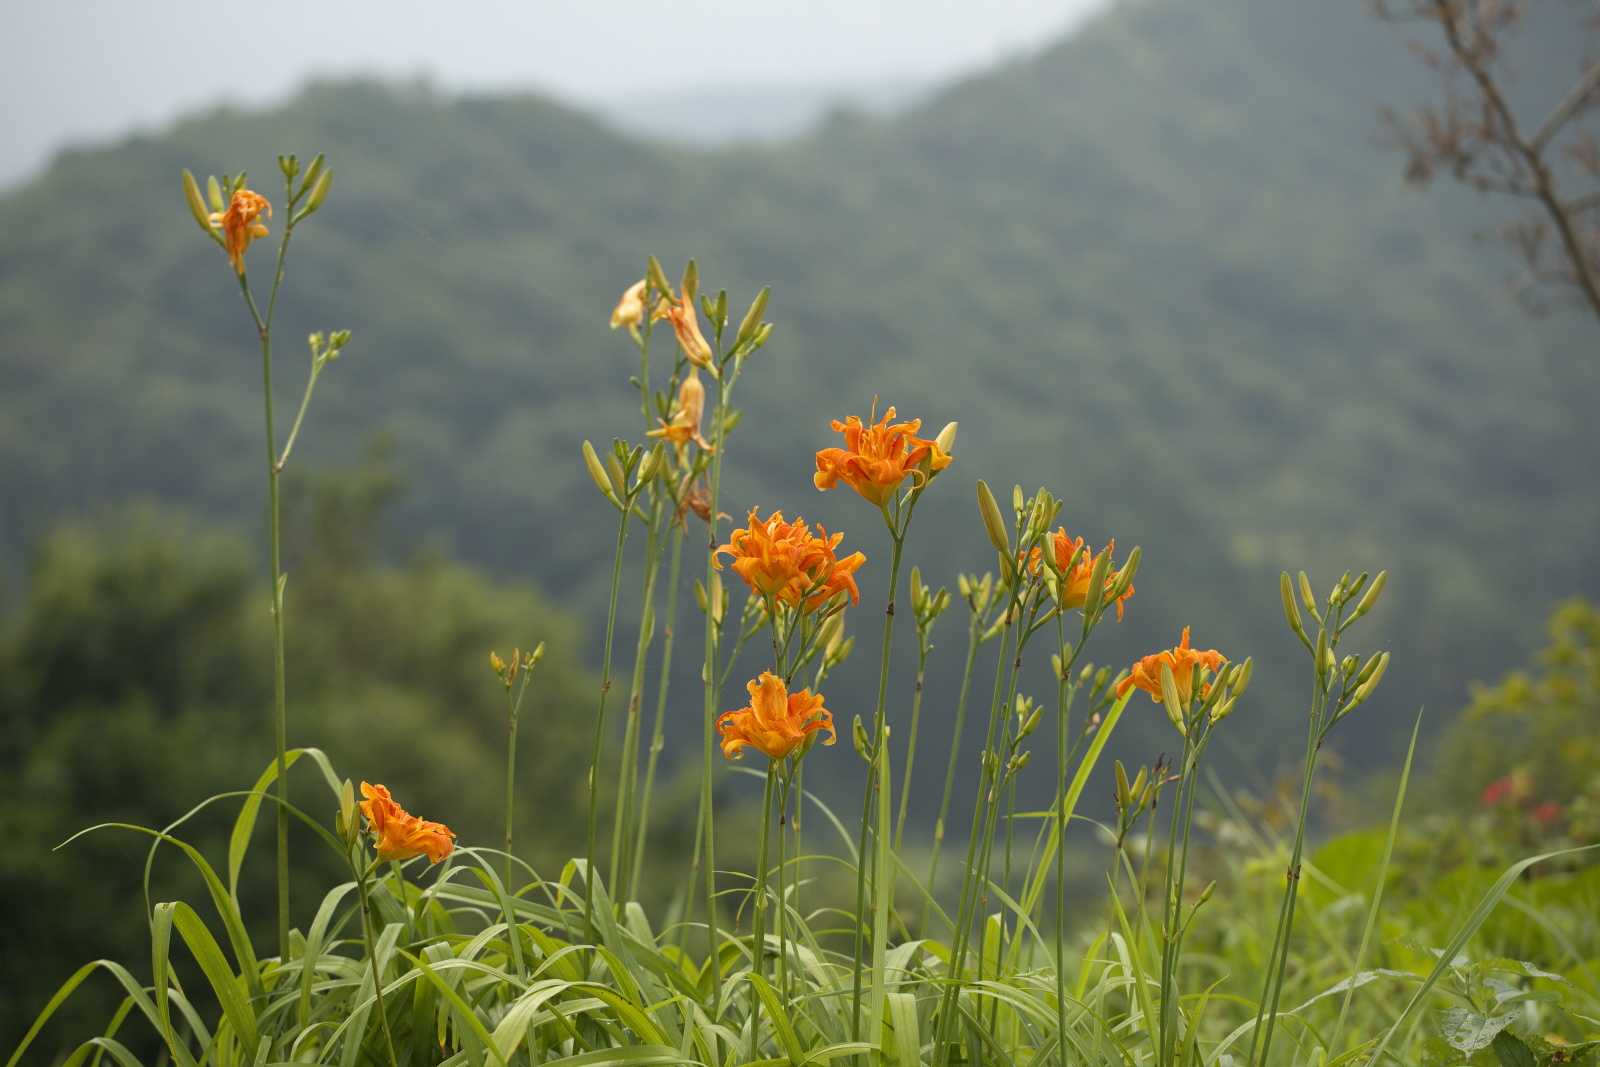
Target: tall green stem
{"points": [[658, 731], [708, 855], [627, 779], [600, 726], [988, 781], [279, 686], [974, 639], [758, 940], [880, 734]]}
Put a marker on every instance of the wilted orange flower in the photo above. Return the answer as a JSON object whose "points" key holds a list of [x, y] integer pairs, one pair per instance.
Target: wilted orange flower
{"points": [[686, 324], [782, 560], [401, 835], [685, 423], [1147, 672], [630, 309], [240, 224], [776, 722], [876, 459]]}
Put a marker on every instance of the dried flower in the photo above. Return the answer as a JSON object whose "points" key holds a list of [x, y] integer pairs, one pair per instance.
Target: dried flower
{"points": [[1181, 661], [240, 224], [686, 325], [783, 561], [630, 309], [401, 835], [684, 425], [876, 459], [776, 721]]}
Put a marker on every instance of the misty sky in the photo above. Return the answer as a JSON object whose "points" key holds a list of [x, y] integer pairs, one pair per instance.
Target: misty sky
{"points": [[85, 71]]}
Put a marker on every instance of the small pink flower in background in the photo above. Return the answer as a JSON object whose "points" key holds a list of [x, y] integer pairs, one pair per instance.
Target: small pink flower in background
{"points": [[1546, 813], [1495, 792]]}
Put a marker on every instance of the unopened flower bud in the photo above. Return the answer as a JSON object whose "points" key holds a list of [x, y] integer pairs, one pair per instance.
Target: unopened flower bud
{"points": [[947, 438], [1306, 594], [752, 318], [1169, 697], [1205, 894], [1291, 611], [1321, 655], [313, 170], [498, 664], [863, 743], [1241, 680], [535, 656], [319, 192], [1365, 689], [197, 206], [1223, 710], [214, 195], [616, 476], [1019, 761], [652, 464], [1124, 791], [1366, 603], [993, 523], [1124, 576], [1031, 723], [597, 471], [700, 595], [347, 809]]}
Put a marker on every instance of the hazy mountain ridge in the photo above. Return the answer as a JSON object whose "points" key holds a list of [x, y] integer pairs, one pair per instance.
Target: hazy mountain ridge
{"points": [[1162, 268]]}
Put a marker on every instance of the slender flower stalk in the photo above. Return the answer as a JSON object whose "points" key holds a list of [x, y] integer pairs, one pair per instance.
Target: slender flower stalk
{"points": [[600, 724], [980, 602], [658, 731], [233, 225]]}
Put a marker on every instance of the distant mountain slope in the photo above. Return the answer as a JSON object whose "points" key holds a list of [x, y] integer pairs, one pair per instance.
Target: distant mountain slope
{"points": [[1162, 268]]}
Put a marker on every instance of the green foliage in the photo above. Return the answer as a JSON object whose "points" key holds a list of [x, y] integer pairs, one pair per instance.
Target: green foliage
{"points": [[1542, 725], [137, 683], [1161, 267]]}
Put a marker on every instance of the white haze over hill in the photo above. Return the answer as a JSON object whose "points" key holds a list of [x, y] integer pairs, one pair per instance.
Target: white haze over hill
{"points": [[77, 72]]}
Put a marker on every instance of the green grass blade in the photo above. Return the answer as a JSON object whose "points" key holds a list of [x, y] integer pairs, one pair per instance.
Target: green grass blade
{"points": [[1035, 890], [788, 1040], [1470, 927], [1377, 892], [230, 992]]}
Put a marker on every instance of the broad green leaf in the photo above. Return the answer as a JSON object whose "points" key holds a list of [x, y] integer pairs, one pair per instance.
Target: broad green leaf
{"points": [[1469, 1031]]}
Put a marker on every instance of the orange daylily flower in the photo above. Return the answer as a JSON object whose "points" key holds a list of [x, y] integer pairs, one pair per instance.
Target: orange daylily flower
{"points": [[1075, 581], [685, 423], [686, 324], [401, 835], [876, 459], [776, 721], [1181, 660], [782, 561], [240, 224], [630, 309]]}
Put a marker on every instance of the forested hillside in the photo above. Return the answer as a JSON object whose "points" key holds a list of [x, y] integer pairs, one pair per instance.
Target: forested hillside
{"points": [[1164, 268]]}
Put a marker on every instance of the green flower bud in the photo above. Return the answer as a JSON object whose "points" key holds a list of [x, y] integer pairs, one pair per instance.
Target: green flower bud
{"points": [[197, 206], [752, 318], [1366, 603], [1291, 611], [597, 471], [993, 523]]}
